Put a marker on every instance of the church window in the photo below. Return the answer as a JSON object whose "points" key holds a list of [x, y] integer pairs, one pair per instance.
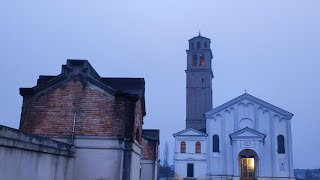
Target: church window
{"points": [[281, 149], [194, 60], [183, 147], [202, 80], [198, 45], [202, 60], [215, 143], [205, 45], [191, 46], [198, 147]]}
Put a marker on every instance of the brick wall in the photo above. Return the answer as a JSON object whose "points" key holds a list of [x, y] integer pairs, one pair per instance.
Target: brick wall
{"points": [[149, 149], [98, 113]]}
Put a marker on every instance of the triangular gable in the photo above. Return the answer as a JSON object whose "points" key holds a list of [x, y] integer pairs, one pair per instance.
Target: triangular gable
{"points": [[73, 67], [252, 99], [247, 133], [189, 132]]}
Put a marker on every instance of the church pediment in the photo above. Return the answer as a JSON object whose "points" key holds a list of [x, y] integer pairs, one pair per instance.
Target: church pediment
{"points": [[248, 99], [247, 133], [189, 132]]}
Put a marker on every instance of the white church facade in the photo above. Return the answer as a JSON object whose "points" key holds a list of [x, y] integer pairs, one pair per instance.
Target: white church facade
{"points": [[245, 138]]}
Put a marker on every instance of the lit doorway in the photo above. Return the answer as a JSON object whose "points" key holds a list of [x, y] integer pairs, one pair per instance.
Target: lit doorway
{"points": [[247, 168], [248, 163]]}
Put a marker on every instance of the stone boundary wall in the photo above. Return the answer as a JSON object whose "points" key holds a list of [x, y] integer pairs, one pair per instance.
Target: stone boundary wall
{"points": [[27, 156]]}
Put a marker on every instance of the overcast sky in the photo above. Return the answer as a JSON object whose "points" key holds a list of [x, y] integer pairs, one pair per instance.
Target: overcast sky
{"points": [[271, 48]]}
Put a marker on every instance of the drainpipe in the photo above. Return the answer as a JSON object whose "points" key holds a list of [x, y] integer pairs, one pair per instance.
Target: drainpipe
{"points": [[73, 127]]}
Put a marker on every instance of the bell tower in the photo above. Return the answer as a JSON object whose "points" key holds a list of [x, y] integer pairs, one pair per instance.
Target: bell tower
{"points": [[199, 82]]}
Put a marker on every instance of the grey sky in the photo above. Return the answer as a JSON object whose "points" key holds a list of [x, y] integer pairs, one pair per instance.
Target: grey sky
{"points": [[271, 48]]}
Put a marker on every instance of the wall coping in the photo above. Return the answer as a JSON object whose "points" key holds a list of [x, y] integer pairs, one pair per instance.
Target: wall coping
{"points": [[14, 138]]}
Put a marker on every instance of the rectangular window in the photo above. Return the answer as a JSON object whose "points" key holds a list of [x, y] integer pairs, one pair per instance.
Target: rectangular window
{"points": [[190, 170], [198, 147]]}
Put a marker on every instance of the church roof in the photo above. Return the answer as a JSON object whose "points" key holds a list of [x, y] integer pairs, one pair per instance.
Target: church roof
{"points": [[199, 36], [250, 98], [193, 133]]}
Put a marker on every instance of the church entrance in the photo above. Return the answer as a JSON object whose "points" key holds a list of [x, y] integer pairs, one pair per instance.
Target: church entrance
{"points": [[248, 163]]}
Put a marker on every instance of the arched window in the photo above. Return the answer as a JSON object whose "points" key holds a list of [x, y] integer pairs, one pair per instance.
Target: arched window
{"points": [[183, 147], [191, 46], [202, 60], [205, 45], [198, 45], [194, 59], [215, 143], [198, 147], [281, 149]]}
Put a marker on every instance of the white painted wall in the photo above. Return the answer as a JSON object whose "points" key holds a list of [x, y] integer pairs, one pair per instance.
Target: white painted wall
{"points": [[149, 169], [260, 118], [190, 137], [98, 158], [135, 152], [29, 157]]}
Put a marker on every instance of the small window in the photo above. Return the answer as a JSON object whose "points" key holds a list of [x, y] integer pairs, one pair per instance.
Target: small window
{"points": [[205, 45], [183, 147], [194, 60], [202, 80], [215, 143], [202, 60], [198, 45], [191, 46], [198, 147], [281, 149]]}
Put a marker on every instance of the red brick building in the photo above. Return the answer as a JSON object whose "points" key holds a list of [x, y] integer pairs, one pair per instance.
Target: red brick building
{"points": [[102, 117], [149, 161]]}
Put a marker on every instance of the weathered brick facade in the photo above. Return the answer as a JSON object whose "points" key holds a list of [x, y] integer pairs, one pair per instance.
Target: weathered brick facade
{"points": [[101, 117], [150, 143], [79, 93]]}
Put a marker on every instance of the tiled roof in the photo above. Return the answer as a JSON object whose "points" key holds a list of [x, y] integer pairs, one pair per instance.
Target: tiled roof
{"points": [[151, 134]]}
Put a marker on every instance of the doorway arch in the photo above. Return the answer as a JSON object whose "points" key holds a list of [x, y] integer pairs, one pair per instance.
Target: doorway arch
{"points": [[248, 164]]}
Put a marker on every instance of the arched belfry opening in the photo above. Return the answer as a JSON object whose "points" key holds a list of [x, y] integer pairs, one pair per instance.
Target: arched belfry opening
{"points": [[248, 164]]}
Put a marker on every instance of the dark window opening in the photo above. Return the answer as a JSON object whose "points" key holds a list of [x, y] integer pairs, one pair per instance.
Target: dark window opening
{"points": [[191, 46], [281, 149], [202, 80], [215, 143], [205, 45], [194, 59], [198, 45]]}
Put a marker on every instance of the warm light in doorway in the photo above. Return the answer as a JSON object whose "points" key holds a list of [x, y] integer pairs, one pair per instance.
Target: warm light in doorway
{"points": [[251, 164]]}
